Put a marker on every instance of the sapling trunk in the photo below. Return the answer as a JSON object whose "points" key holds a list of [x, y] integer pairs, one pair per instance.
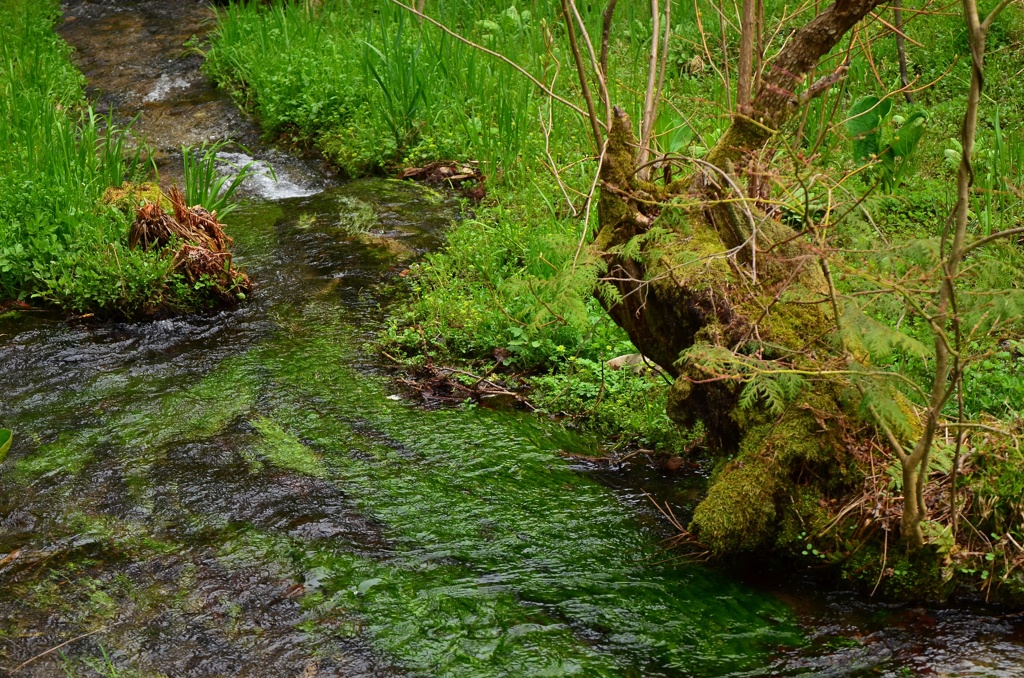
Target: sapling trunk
{"points": [[745, 69], [944, 321], [901, 50]]}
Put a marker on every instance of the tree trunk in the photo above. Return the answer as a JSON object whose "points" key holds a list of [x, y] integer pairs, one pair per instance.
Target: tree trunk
{"points": [[718, 281]]}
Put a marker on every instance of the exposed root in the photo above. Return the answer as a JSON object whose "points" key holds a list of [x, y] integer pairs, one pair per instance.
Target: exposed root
{"points": [[448, 173], [198, 263], [155, 228], [683, 539], [202, 226]]}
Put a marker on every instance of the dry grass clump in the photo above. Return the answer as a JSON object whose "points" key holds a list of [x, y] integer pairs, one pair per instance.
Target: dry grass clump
{"points": [[203, 252]]}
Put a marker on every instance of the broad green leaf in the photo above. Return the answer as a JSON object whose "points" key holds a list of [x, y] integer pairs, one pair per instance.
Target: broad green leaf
{"points": [[6, 438], [864, 125], [906, 139]]}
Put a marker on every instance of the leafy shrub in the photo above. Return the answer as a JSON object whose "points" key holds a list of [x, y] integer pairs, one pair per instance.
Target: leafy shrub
{"points": [[874, 139]]}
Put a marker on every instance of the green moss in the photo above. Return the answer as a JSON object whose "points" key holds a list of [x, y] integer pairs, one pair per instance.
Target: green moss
{"points": [[784, 467], [739, 511], [697, 259], [740, 137], [282, 449], [386, 248], [803, 514], [618, 170], [128, 197], [791, 326], [69, 455], [207, 407]]}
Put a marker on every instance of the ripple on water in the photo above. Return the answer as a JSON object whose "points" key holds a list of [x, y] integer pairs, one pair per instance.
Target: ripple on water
{"points": [[270, 179], [228, 495]]}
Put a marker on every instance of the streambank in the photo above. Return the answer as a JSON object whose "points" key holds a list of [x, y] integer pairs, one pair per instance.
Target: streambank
{"points": [[512, 290], [243, 493], [70, 160]]}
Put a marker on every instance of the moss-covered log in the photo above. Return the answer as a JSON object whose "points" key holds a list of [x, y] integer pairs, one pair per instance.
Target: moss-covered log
{"points": [[721, 280]]}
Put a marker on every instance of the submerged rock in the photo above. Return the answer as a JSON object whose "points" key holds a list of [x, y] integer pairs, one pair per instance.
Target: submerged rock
{"points": [[390, 247]]}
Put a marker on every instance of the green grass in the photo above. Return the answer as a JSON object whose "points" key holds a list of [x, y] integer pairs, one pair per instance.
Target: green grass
{"points": [[204, 185], [60, 243], [377, 91]]}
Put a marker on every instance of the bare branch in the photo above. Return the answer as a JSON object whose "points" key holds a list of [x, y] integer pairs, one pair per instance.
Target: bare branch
{"points": [[823, 84], [602, 80], [606, 30], [996, 11], [897, 448], [584, 86], [650, 103], [748, 39], [989, 238]]}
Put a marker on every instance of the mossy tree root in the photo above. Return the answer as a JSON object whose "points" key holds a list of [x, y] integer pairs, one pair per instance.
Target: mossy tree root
{"points": [[725, 286]]}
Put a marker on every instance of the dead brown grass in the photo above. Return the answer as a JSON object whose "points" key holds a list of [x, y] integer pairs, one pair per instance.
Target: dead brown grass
{"points": [[203, 252]]}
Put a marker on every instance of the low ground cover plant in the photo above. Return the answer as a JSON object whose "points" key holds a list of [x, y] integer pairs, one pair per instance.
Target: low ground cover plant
{"points": [[867, 169]]}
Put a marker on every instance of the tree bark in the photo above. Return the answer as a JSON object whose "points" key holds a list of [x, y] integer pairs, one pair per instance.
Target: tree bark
{"points": [[725, 280]]}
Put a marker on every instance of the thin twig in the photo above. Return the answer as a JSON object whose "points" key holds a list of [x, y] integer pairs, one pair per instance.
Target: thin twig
{"points": [[54, 649], [590, 201]]}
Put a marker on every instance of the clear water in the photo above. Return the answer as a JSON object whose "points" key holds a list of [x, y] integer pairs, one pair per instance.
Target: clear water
{"points": [[242, 494]]}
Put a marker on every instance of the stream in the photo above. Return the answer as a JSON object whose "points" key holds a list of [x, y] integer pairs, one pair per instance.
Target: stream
{"points": [[246, 493]]}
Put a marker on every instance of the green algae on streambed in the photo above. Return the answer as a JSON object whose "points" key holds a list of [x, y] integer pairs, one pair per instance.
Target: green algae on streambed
{"points": [[242, 494], [239, 494]]}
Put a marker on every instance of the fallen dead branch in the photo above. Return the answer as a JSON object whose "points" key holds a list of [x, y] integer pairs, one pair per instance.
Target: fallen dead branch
{"points": [[447, 173], [441, 385]]}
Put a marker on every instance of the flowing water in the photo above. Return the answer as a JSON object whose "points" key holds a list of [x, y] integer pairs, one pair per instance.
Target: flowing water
{"points": [[244, 494]]}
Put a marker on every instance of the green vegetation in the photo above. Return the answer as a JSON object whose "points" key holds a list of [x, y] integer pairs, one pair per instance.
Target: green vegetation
{"points": [[870, 175], [6, 438], [205, 185], [59, 244], [245, 488], [62, 240]]}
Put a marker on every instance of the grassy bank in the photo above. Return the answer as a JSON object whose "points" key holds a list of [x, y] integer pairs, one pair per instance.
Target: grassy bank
{"points": [[377, 91], [63, 235]]}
